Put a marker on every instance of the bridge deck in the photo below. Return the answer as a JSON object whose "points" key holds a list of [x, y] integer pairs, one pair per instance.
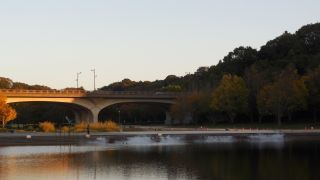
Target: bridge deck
{"points": [[87, 94]]}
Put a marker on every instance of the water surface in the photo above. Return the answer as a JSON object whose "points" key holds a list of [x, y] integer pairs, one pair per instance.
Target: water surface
{"points": [[138, 158]]}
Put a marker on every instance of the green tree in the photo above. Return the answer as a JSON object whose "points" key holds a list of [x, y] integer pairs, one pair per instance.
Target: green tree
{"points": [[255, 80], [231, 96]]}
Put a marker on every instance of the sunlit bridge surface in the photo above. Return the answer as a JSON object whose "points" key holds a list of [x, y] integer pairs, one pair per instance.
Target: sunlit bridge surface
{"points": [[167, 157]]}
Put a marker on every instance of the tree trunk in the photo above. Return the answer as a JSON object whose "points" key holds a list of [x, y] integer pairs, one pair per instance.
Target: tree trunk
{"points": [[251, 117], [279, 117], [260, 119], [3, 124], [290, 116], [231, 117], [314, 114]]}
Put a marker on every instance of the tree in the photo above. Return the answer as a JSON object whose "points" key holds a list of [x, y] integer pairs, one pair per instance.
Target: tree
{"points": [[6, 112], [254, 81], [264, 101], [186, 105], [5, 83], [238, 60], [313, 86], [287, 94], [231, 96]]}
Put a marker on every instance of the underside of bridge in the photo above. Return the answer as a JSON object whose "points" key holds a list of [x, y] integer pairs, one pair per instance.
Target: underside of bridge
{"points": [[91, 110], [136, 113], [35, 112]]}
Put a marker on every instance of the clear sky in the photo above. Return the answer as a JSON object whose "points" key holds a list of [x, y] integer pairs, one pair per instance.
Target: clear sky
{"points": [[48, 41]]}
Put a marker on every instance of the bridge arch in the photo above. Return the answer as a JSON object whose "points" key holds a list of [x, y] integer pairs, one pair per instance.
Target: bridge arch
{"points": [[80, 108], [160, 104]]}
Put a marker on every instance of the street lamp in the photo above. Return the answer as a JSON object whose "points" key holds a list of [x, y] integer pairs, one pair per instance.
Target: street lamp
{"points": [[78, 74], [94, 78]]}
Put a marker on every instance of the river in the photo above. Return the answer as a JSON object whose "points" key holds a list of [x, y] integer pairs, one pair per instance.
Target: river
{"points": [[268, 157]]}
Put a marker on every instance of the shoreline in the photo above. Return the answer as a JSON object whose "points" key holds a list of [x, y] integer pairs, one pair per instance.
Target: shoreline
{"points": [[41, 139]]}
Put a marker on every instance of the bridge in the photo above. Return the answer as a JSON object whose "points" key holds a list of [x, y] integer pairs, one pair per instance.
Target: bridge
{"points": [[86, 105]]}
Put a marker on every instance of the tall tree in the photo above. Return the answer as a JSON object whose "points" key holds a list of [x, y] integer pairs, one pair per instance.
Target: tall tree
{"points": [[254, 81], [231, 96], [185, 106], [313, 85], [287, 94]]}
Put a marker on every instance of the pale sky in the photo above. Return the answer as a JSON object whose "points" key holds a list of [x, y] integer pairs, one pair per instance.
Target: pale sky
{"points": [[48, 42]]}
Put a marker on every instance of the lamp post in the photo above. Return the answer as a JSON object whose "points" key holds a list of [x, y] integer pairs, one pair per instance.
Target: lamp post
{"points": [[78, 74], [94, 79]]}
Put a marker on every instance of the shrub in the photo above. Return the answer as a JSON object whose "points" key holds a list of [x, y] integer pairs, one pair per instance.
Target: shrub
{"points": [[47, 126], [107, 126], [111, 126], [80, 127], [65, 129]]}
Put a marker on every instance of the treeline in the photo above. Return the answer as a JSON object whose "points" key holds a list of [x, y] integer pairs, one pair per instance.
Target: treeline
{"points": [[280, 80], [255, 98], [6, 83], [300, 49]]}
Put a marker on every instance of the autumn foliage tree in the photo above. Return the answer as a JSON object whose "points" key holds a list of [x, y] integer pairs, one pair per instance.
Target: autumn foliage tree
{"points": [[313, 85], [186, 105], [231, 96], [287, 94], [7, 113]]}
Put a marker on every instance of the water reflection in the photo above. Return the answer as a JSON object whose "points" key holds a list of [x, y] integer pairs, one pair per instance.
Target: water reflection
{"points": [[222, 158]]}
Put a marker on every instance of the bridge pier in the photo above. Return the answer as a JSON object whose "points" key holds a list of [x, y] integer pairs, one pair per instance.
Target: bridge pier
{"points": [[168, 120], [86, 116], [77, 116], [95, 115]]}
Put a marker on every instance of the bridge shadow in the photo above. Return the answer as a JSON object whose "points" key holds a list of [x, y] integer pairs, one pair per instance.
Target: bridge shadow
{"points": [[136, 113], [56, 112]]}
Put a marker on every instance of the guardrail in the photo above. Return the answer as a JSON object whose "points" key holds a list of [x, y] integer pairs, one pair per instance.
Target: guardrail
{"points": [[6, 91]]}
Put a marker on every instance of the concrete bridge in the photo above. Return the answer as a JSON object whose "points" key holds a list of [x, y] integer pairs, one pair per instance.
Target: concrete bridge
{"points": [[86, 106]]}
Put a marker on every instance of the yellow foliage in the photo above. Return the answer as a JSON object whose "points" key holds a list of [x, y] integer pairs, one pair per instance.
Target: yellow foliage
{"points": [[7, 113], [65, 129], [108, 126], [80, 127], [231, 96], [47, 126]]}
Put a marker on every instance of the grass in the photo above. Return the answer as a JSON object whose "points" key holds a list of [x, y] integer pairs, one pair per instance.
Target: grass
{"points": [[3, 130]]}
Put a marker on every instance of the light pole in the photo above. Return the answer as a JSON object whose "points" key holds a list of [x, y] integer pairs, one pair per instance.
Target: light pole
{"points": [[94, 79], [78, 74]]}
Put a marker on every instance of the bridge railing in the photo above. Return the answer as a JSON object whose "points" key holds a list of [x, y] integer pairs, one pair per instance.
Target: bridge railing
{"points": [[8, 91], [82, 93], [134, 93]]}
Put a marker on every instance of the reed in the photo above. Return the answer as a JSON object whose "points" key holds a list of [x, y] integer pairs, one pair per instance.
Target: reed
{"points": [[107, 126]]}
